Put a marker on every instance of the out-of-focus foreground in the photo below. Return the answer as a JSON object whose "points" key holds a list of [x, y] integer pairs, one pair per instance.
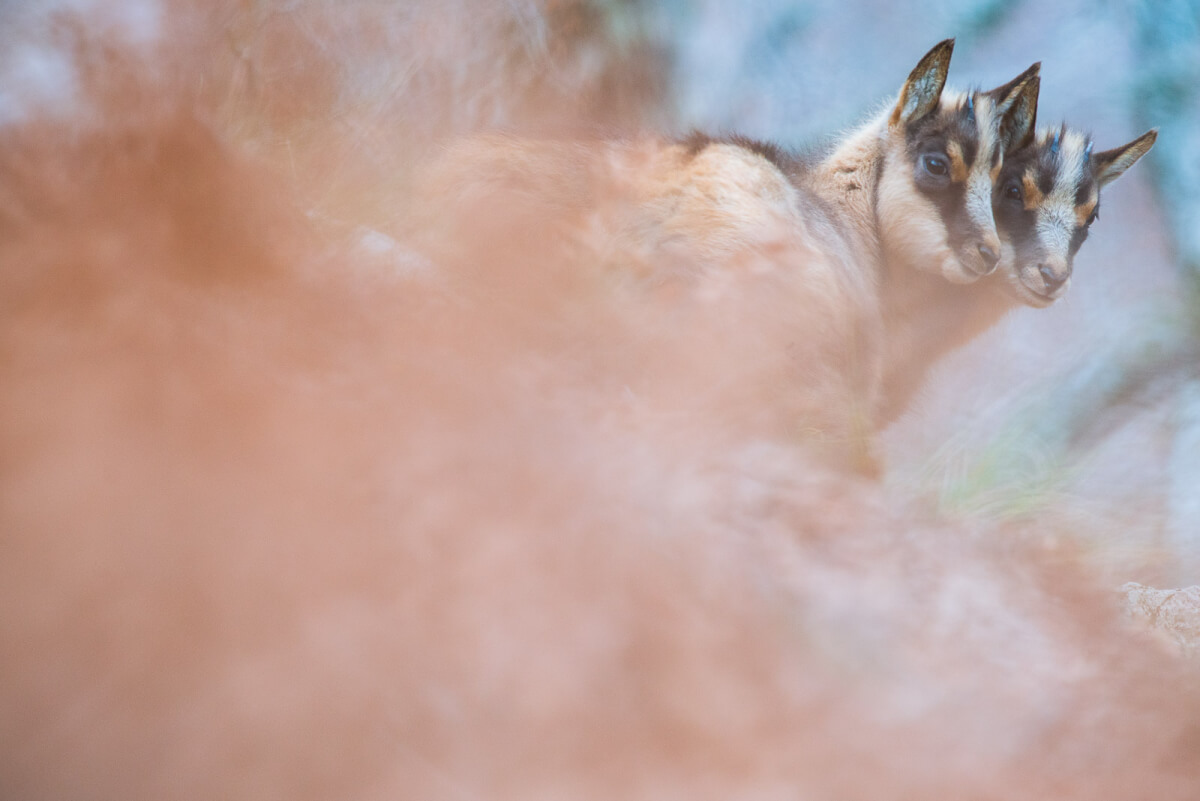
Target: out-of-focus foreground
{"points": [[298, 502]]}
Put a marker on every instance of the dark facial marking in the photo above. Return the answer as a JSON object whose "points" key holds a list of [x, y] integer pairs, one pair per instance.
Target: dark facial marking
{"points": [[1031, 175], [1046, 168], [942, 148], [1015, 207], [1085, 191]]}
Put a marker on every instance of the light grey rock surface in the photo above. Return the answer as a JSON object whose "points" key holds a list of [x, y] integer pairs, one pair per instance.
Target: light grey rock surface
{"points": [[1174, 613]]}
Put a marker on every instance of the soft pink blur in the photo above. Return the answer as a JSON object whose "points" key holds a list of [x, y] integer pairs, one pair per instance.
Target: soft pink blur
{"points": [[290, 510]]}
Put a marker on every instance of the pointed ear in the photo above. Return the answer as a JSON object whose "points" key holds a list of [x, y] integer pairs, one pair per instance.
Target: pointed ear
{"points": [[1016, 105], [923, 89], [1109, 165]]}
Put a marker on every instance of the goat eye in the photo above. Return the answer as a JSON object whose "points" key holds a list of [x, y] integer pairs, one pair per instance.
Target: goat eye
{"points": [[1012, 191], [936, 165], [1095, 215]]}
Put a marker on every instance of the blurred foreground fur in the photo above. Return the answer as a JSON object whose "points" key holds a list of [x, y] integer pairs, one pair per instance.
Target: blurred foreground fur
{"points": [[277, 521]]}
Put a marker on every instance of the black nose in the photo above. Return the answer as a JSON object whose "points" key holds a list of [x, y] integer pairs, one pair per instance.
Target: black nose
{"points": [[990, 257], [1052, 279]]}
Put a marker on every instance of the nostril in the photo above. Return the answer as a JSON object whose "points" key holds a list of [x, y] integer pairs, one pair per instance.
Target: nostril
{"points": [[990, 257], [1053, 281]]}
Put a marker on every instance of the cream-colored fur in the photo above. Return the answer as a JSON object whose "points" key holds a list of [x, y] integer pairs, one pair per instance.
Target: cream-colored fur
{"points": [[719, 230], [836, 235]]}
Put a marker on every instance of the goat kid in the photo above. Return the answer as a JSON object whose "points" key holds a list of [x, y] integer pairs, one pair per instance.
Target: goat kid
{"points": [[907, 195], [1045, 201]]}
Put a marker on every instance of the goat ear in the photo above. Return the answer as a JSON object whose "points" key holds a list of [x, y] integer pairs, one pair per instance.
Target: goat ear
{"points": [[1111, 164], [923, 89], [1016, 106]]}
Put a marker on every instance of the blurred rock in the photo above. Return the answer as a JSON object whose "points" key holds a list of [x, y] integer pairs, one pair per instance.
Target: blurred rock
{"points": [[1169, 96], [1184, 491], [1174, 613]]}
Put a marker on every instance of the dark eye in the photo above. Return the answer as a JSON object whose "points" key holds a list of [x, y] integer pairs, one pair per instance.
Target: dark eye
{"points": [[936, 165], [1012, 191], [1095, 215]]}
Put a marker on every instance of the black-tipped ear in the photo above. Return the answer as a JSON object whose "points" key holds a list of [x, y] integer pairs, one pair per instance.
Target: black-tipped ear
{"points": [[1016, 105], [1111, 164], [1004, 96], [923, 89]]}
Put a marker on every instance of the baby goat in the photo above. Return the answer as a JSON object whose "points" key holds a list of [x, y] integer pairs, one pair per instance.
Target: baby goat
{"points": [[906, 197], [1045, 201]]}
